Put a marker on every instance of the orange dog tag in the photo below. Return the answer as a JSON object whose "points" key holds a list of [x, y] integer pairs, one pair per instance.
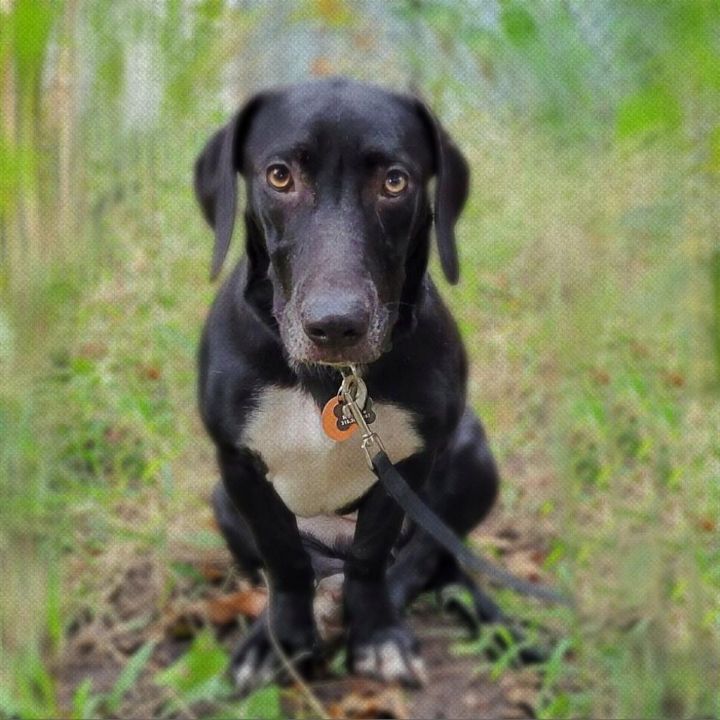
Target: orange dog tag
{"points": [[336, 426]]}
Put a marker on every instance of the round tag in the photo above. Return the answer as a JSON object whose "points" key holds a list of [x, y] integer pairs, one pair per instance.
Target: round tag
{"points": [[330, 421]]}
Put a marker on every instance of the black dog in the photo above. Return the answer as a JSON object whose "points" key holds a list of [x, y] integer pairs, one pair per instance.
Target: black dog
{"points": [[338, 224]]}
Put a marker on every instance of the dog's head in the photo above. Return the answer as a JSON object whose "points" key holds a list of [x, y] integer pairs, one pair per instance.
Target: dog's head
{"points": [[337, 215]]}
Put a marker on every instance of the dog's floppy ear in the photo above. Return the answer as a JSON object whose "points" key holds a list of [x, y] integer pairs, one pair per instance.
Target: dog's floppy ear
{"points": [[216, 170], [452, 182]]}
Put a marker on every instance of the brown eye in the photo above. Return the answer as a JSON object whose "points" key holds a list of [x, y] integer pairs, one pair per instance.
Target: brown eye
{"points": [[279, 177], [396, 182]]}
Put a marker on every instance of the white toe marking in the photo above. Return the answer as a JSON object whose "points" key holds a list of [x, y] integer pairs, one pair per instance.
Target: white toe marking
{"points": [[267, 672], [418, 667], [392, 663], [366, 662], [244, 673]]}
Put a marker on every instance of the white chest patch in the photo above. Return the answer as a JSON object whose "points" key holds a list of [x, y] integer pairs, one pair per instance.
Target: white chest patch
{"points": [[313, 474]]}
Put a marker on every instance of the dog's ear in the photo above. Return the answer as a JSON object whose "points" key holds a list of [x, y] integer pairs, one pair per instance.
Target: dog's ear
{"points": [[216, 170], [452, 182]]}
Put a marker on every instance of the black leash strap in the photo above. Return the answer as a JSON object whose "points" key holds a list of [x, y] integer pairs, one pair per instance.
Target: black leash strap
{"points": [[417, 510], [421, 514]]}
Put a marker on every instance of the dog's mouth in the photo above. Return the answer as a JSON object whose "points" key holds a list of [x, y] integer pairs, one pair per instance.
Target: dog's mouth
{"points": [[301, 350], [338, 358], [304, 352]]}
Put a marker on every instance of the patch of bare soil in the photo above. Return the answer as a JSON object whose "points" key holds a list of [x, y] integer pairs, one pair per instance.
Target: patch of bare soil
{"points": [[138, 609]]}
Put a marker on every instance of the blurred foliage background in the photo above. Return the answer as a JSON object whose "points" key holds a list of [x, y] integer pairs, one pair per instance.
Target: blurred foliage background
{"points": [[590, 302]]}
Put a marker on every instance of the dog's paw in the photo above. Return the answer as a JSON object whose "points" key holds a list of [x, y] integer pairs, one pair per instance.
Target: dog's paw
{"points": [[255, 663], [474, 608], [390, 655], [253, 667]]}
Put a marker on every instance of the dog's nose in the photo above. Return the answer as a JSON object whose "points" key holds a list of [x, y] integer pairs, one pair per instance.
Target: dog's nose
{"points": [[336, 324]]}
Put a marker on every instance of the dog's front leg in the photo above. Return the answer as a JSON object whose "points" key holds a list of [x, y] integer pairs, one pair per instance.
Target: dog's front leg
{"points": [[379, 644], [288, 567]]}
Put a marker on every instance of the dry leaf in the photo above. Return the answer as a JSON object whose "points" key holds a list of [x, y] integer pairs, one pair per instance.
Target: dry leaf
{"points": [[707, 524], [375, 702], [212, 571], [673, 379], [151, 372], [601, 377], [224, 609]]}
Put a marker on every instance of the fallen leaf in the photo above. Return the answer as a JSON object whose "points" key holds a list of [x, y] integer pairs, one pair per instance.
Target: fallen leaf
{"points": [[224, 609], [212, 571], [601, 377], [673, 379], [707, 524], [375, 701], [183, 619], [152, 372]]}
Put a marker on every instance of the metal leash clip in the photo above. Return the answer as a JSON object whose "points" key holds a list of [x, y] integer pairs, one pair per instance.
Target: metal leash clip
{"points": [[353, 394]]}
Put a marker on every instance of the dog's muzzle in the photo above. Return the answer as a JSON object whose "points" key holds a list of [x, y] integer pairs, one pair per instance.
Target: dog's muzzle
{"points": [[333, 329]]}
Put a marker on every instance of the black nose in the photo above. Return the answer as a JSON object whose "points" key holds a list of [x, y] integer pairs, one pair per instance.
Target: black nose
{"points": [[336, 323]]}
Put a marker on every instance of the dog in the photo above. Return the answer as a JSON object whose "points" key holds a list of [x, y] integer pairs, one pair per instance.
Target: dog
{"points": [[338, 225]]}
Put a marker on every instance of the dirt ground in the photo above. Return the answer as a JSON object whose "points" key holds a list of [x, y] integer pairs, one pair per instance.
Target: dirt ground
{"points": [[139, 609]]}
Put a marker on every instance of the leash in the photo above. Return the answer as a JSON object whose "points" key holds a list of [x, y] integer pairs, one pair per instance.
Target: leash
{"points": [[352, 410]]}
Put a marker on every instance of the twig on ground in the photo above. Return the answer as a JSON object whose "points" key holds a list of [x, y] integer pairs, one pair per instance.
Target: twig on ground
{"points": [[306, 690]]}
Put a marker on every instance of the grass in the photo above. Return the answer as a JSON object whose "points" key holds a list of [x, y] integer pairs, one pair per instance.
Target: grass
{"points": [[589, 303], [596, 373]]}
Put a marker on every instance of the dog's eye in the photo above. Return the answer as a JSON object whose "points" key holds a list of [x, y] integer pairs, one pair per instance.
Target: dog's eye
{"points": [[396, 182], [279, 177]]}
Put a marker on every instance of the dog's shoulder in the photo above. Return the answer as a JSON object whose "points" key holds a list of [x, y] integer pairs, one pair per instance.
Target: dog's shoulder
{"points": [[238, 355]]}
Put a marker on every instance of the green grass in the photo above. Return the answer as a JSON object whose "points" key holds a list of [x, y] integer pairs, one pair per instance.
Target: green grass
{"points": [[603, 383], [589, 302], [581, 328]]}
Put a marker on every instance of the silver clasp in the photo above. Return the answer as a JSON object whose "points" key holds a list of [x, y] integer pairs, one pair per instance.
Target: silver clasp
{"points": [[353, 392]]}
